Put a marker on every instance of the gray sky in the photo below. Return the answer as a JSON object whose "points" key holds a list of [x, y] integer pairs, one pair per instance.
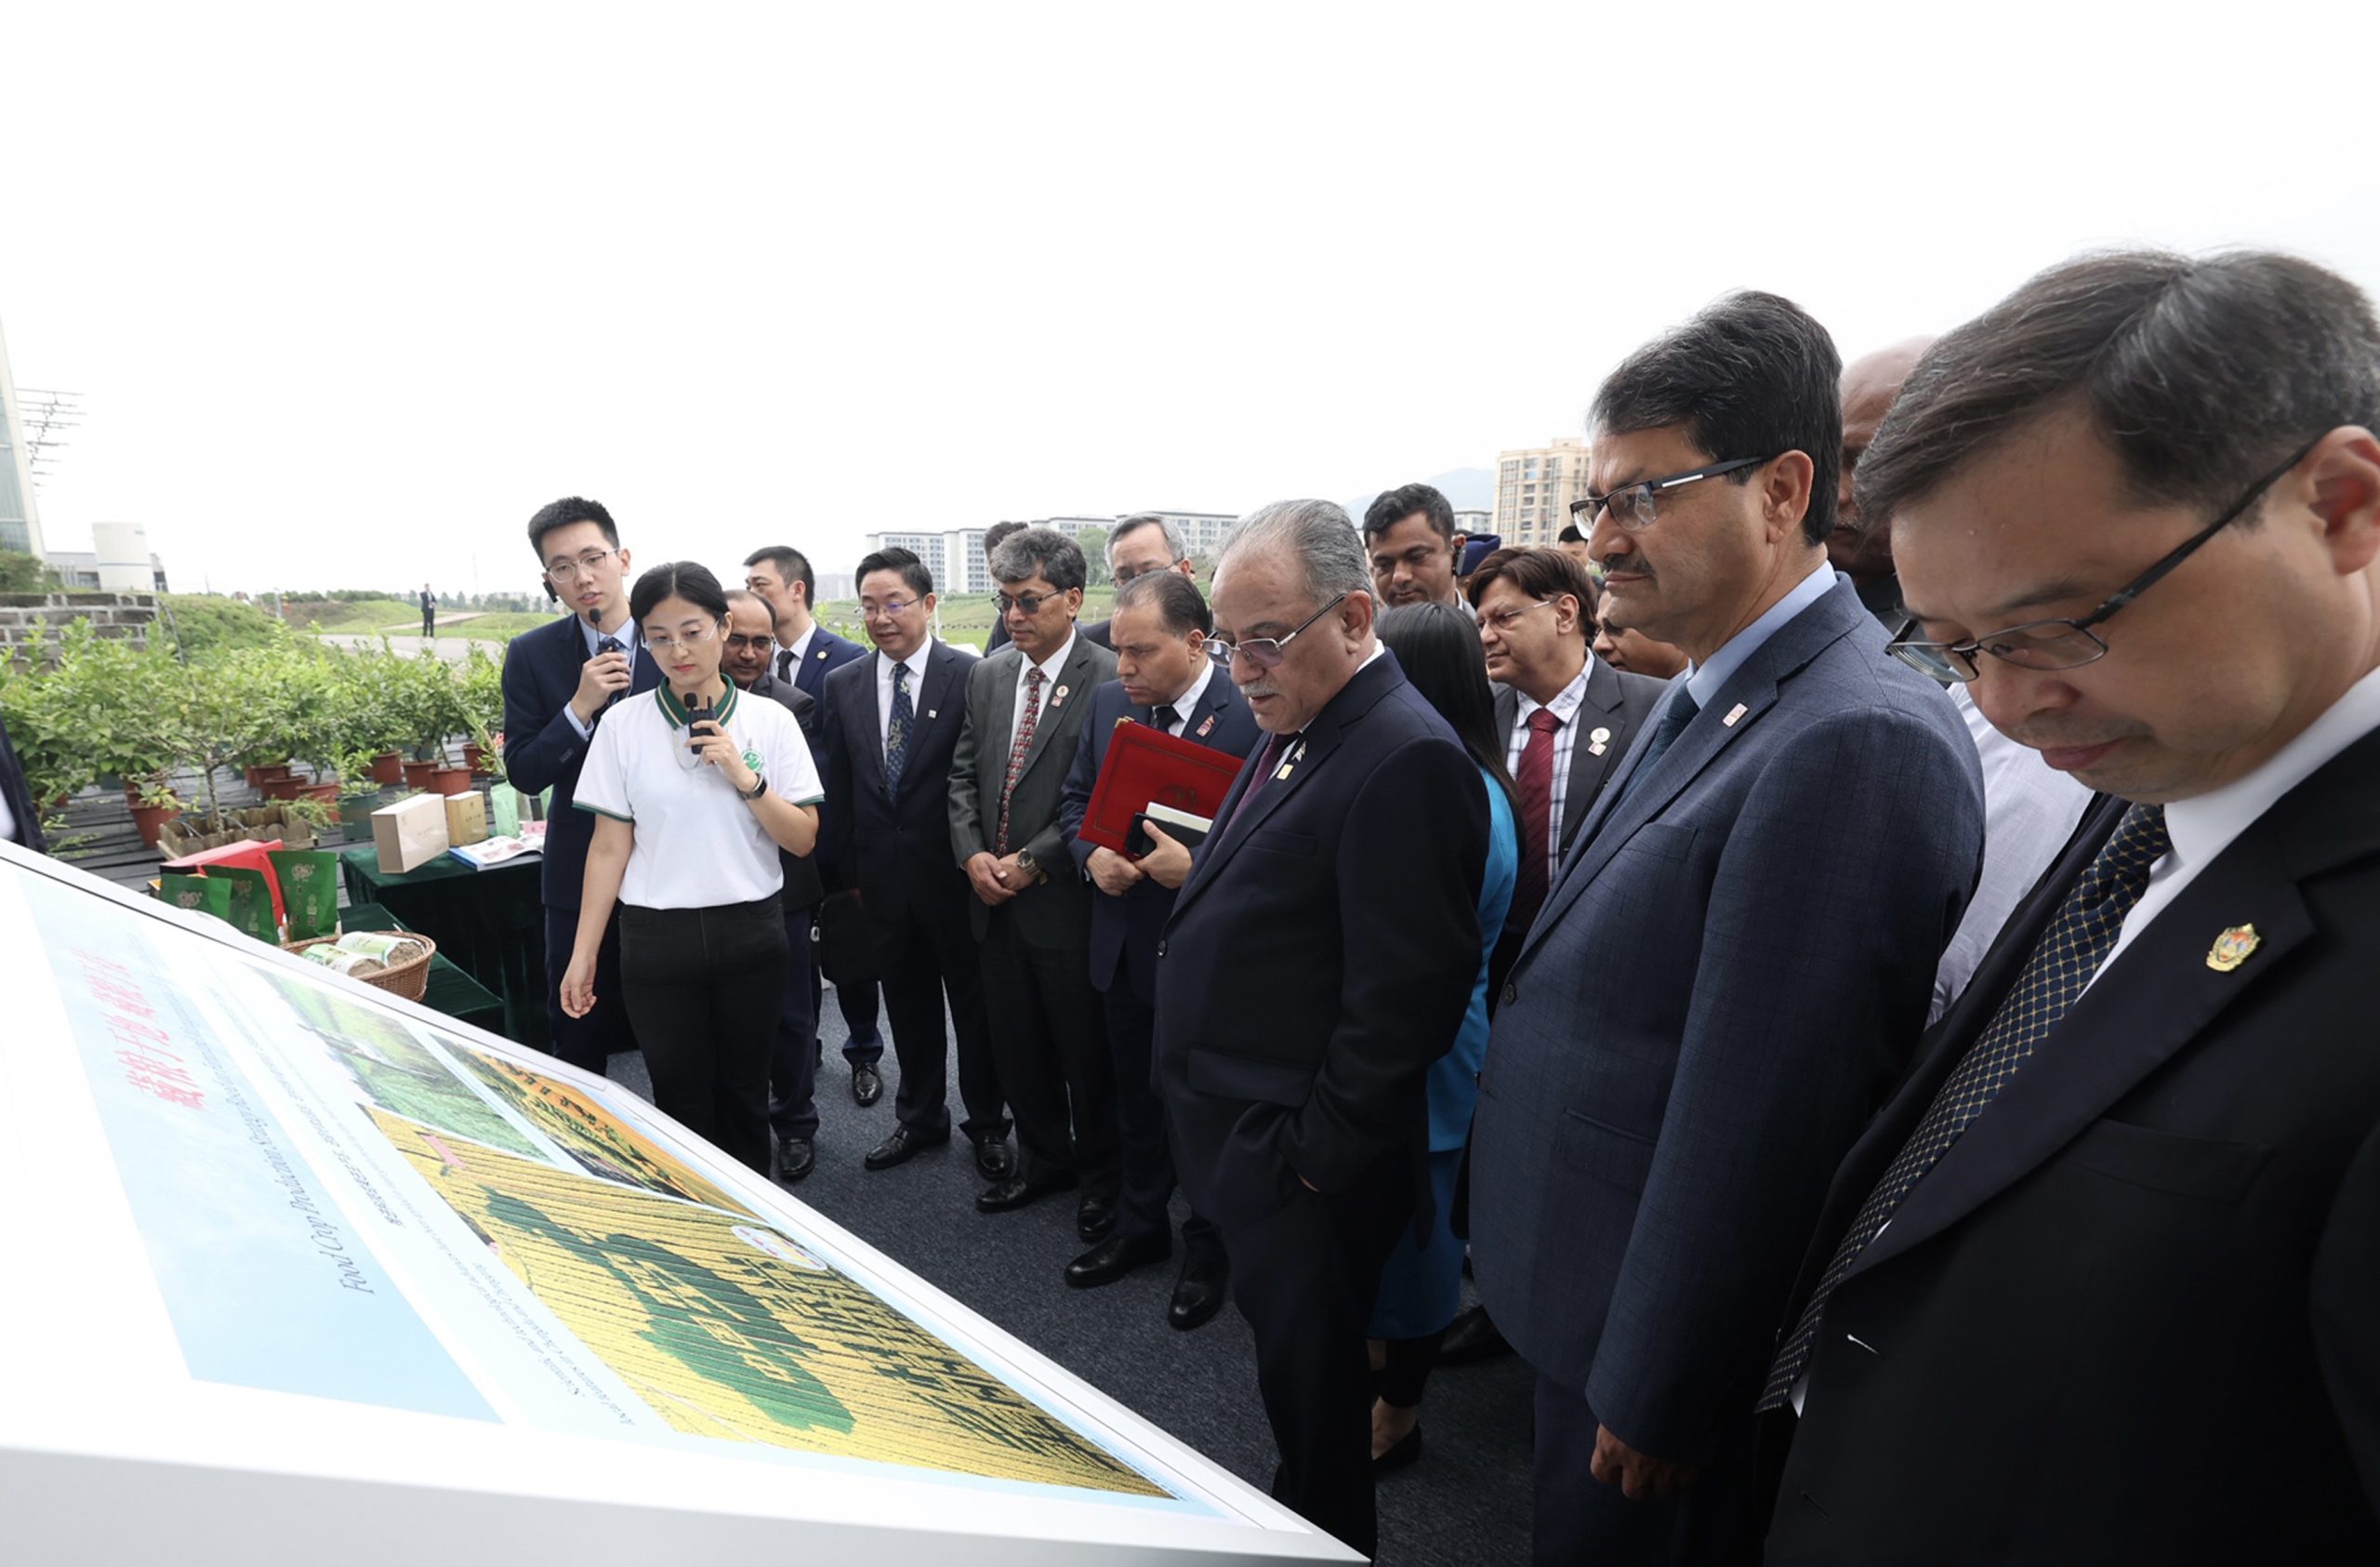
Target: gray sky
{"points": [[349, 295]]}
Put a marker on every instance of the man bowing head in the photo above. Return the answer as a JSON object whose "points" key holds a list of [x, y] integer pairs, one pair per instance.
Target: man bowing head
{"points": [[1341, 884]]}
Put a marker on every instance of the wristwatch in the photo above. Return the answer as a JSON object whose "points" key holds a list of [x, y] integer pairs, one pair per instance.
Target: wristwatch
{"points": [[1031, 867], [760, 787]]}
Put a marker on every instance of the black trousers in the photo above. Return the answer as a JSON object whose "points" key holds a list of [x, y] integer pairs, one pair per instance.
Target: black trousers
{"points": [[704, 988], [922, 962], [1304, 1277], [793, 1063], [858, 1003], [1147, 1156], [1579, 1519], [1050, 1042], [586, 1042]]}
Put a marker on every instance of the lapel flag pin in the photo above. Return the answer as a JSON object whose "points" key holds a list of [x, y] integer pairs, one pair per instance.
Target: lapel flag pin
{"points": [[2232, 948], [1733, 713], [1204, 729], [1597, 741], [1059, 697]]}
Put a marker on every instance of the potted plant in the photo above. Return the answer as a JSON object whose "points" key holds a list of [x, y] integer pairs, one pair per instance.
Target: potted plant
{"points": [[480, 688]]}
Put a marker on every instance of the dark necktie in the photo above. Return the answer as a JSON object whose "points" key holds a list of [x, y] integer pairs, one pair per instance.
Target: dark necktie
{"points": [[2069, 951], [1535, 781], [1674, 719], [785, 664], [1164, 719], [1023, 743], [610, 645], [896, 730], [1266, 765]]}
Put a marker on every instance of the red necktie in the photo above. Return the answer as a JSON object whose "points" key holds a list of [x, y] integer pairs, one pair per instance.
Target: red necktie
{"points": [[1535, 781], [1023, 743]]}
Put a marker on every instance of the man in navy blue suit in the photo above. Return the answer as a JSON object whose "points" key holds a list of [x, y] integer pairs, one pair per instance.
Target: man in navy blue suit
{"points": [[893, 720], [1317, 960], [806, 654], [1167, 678], [558, 680]]}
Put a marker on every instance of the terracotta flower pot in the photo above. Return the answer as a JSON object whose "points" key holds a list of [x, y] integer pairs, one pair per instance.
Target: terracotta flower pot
{"points": [[150, 820], [281, 788], [474, 758], [327, 789], [387, 769], [417, 774], [451, 780], [260, 776]]}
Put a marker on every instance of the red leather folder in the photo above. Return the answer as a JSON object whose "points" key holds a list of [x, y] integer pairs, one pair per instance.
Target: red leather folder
{"points": [[1143, 767]]}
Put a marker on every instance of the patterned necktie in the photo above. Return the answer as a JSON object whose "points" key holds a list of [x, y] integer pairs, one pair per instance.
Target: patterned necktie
{"points": [[1535, 781], [1164, 719], [785, 664], [1674, 721], [896, 730], [608, 645], [1016, 751], [2069, 951]]}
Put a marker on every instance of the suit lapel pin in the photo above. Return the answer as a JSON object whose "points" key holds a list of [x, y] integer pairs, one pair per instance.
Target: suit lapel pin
{"points": [[1059, 697], [1205, 728], [820, 654], [2232, 948], [1733, 713], [1597, 741], [933, 713]]}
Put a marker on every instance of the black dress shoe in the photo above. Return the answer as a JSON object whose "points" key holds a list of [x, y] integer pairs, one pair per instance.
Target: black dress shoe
{"points": [[1018, 1190], [796, 1158], [1198, 1293], [903, 1146], [1095, 1215], [994, 1161], [1408, 1448], [868, 1084], [1115, 1257], [1472, 1337]]}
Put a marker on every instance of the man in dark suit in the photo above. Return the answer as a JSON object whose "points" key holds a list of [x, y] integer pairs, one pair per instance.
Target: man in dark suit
{"points": [[1566, 716], [1032, 911], [1318, 959], [893, 721], [20, 817], [805, 653], [1733, 960], [1166, 679], [559, 681], [2102, 1282], [793, 1064]]}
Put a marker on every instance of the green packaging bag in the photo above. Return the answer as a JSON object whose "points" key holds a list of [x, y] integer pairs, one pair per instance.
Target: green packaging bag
{"points": [[251, 901], [206, 895], [309, 891], [503, 812]]}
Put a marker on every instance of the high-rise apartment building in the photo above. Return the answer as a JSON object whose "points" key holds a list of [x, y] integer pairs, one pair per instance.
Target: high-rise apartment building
{"points": [[19, 515], [1535, 486], [956, 555]]}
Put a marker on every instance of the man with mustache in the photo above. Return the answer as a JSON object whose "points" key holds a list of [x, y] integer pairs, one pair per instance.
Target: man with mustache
{"points": [[1733, 960]]}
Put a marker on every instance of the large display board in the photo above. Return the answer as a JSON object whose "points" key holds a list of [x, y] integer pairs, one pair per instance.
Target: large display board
{"points": [[299, 1272]]}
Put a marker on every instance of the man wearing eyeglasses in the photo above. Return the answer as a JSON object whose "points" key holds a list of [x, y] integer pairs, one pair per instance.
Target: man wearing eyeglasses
{"points": [[1317, 960], [1032, 908], [559, 681], [2101, 1281], [1734, 960]]}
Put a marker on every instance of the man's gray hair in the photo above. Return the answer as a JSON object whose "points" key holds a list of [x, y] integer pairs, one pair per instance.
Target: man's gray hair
{"points": [[1318, 534], [1045, 552], [1175, 549]]}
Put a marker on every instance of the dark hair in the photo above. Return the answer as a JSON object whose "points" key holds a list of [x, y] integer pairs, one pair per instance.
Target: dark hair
{"points": [[1175, 597], [998, 534], [913, 570], [1041, 551], [1387, 510], [563, 513], [681, 579], [1750, 375], [737, 595], [1437, 646], [2199, 374], [1569, 534], [792, 565], [1540, 574]]}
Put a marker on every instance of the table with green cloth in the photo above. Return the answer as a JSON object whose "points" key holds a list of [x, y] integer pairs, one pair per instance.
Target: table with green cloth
{"points": [[490, 924], [449, 989]]}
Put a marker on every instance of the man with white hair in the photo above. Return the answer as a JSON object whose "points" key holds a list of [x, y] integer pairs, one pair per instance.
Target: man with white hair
{"points": [[1298, 1123]]}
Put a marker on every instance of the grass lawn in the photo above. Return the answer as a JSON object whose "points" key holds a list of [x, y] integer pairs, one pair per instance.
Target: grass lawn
{"points": [[966, 618], [363, 616]]}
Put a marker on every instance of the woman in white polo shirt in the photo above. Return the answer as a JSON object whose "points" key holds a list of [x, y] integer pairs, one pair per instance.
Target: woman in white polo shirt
{"points": [[698, 790]]}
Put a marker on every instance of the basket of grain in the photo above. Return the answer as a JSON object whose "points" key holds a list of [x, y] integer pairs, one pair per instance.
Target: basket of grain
{"points": [[398, 962]]}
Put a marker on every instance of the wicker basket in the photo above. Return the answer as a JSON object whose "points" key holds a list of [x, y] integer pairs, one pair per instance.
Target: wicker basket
{"points": [[409, 980]]}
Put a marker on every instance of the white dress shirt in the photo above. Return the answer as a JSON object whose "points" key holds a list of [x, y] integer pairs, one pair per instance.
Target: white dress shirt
{"points": [[1187, 703], [884, 662], [623, 632], [1048, 668], [1564, 707], [1704, 682], [789, 656]]}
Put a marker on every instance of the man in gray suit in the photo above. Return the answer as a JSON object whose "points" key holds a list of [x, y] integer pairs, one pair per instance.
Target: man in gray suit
{"points": [[1735, 959], [1032, 910]]}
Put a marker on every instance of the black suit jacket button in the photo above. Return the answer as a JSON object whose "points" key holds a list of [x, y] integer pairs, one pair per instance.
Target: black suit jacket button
{"points": [[1512, 993], [1160, 948]]}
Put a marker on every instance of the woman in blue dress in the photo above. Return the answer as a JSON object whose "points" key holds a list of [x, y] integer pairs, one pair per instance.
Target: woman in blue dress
{"points": [[1438, 645]]}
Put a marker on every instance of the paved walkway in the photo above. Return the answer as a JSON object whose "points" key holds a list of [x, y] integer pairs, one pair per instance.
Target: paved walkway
{"points": [[452, 649]]}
